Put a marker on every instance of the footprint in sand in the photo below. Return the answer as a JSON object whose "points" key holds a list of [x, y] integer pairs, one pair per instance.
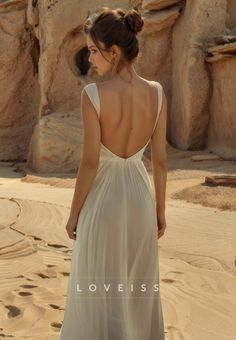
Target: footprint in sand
{"points": [[65, 273], [54, 245], [24, 293], [55, 306], [56, 325], [43, 276], [176, 332], [168, 280], [47, 274], [28, 286], [37, 238], [2, 335], [13, 311], [23, 276]]}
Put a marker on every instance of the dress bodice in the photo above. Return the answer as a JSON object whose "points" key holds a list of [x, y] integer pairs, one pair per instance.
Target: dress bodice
{"points": [[106, 154]]}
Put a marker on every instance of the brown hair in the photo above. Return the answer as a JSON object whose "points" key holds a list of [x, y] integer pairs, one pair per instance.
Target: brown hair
{"points": [[114, 26]]}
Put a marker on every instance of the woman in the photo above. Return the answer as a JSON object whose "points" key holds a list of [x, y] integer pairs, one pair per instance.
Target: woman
{"points": [[113, 290]]}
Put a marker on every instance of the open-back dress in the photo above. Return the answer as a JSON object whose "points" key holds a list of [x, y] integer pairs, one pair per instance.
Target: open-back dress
{"points": [[113, 289]]}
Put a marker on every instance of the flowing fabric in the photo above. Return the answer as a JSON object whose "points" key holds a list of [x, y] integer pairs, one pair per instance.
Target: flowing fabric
{"points": [[113, 289]]}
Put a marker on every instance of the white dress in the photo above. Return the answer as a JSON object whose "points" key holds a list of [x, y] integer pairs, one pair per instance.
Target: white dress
{"points": [[113, 290]]}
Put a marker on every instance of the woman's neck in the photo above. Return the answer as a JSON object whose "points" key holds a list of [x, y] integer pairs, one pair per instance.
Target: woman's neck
{"points": [[127, 74]]}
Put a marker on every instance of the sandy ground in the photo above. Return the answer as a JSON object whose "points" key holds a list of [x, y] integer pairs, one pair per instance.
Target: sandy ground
{"points": [[197, 254]]}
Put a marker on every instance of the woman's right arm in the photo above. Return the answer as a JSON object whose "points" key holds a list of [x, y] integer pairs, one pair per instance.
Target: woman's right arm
{"points": [[159, 165]]}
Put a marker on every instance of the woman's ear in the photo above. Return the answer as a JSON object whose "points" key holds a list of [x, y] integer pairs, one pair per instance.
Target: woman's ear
{"points": [[115, 50]]}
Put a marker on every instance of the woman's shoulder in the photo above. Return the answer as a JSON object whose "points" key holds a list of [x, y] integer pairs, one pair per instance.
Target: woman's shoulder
{"points": [[150, 82], [154, 84], [89, 85], [93, 87]]}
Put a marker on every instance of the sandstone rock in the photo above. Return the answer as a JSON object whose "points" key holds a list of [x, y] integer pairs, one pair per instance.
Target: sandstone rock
{"points": [[219, 52], [56, 144], [157, 20], [137, 4], [224, 39], [33, 17], [221, 180], [199, 23], [18, 87], [154, 61], [204, 157], [231, 18], [158, 4], [60, 78], [43, 67], [15, 5], [155, 46], [222, 126]]}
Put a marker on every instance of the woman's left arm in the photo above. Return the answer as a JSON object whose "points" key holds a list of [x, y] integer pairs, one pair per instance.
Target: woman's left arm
{"points": [[89, 162]]}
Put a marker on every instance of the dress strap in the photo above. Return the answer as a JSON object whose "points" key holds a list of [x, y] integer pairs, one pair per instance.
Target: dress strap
{"points": [[160, 97], [160, 100], [92, 92]]}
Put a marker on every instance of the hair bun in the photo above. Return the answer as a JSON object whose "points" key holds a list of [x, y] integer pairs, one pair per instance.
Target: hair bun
{"points": [[134, 20]]}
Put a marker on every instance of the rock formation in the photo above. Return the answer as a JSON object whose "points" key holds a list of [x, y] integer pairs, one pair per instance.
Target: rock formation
{"points": [[191, 82], [222, 108], [155, 45], [189, 46], [201, 103], [19, 90], [158, 4], [56, 143]]}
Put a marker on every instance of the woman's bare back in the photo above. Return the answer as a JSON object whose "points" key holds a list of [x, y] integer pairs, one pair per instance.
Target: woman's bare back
{"points": [[127, 115]]}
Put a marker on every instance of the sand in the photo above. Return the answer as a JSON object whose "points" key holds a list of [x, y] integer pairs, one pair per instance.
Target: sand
{"points": [[197, 254]]}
